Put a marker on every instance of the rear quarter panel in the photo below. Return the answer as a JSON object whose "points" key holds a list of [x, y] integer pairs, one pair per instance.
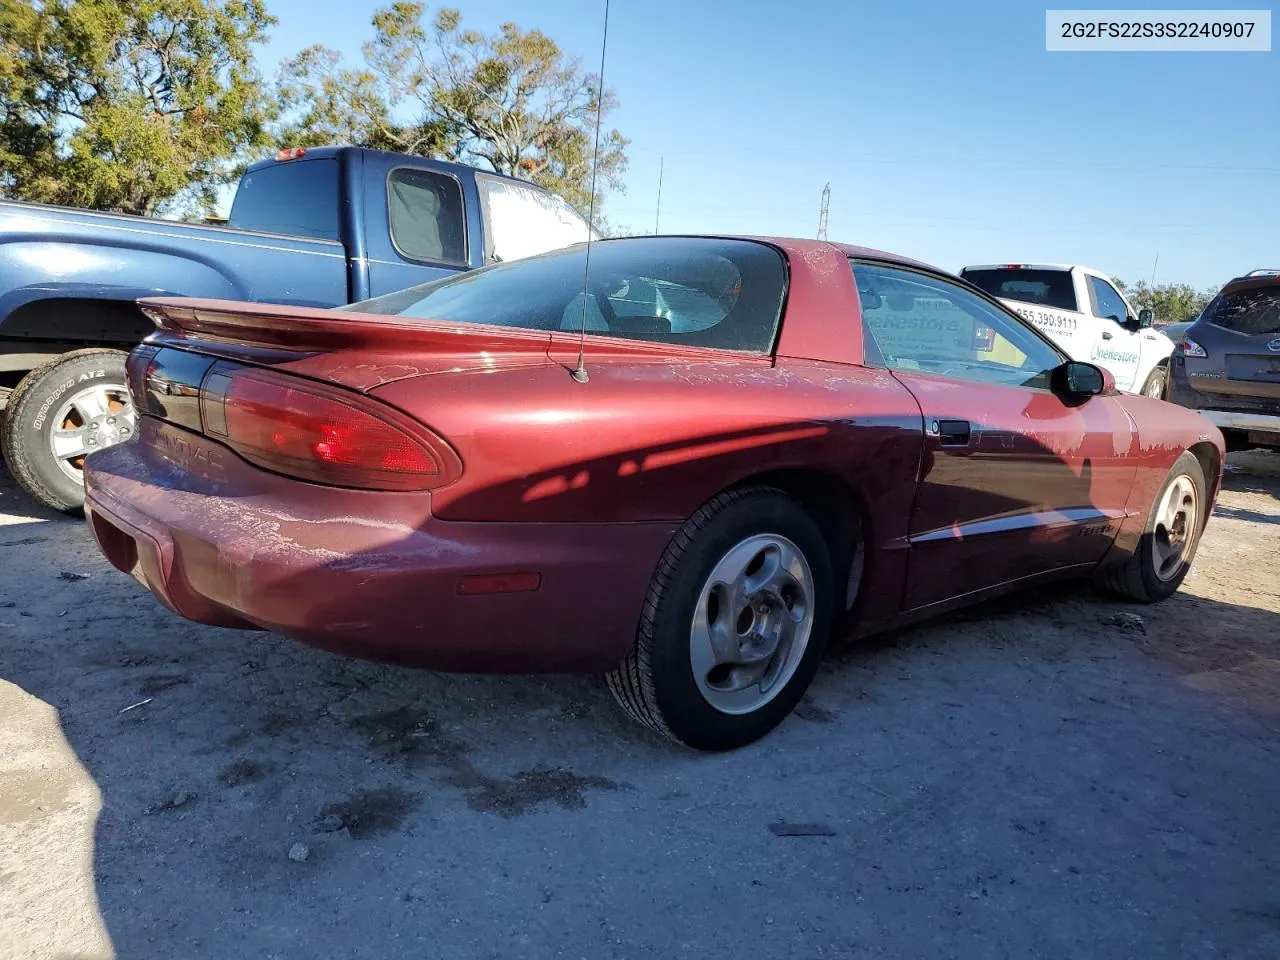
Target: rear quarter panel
{"points": [[644, 441], [654, 441]]}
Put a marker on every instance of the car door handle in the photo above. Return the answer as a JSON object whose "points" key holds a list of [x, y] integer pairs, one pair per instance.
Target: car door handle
{"points": [[953, 433], [1105, 335]]}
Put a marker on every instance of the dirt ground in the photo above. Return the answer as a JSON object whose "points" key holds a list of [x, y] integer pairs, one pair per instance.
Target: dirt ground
{"points": [[1039, 777]]}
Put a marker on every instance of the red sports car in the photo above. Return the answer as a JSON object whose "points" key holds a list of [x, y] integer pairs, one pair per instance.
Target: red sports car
{"points": [[766, 443]]}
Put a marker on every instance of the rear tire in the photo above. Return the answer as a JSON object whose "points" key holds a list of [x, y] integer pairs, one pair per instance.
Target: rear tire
{"points": [[734, 625], [1157, 385], [1168, 544], [70, 396]]}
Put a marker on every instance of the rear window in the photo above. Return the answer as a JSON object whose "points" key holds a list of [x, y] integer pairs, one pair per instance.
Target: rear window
{"points": [[1252, 312], [1049, 288], [724, 294], [298, 198]]}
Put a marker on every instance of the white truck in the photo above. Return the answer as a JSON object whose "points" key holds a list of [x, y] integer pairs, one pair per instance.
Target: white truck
{"points": [[1081, 310]]}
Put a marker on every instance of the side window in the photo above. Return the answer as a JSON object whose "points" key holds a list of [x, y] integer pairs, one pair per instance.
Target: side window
{"points": [[522, 220], [928, 324], [1106, 302], [425, 212]]}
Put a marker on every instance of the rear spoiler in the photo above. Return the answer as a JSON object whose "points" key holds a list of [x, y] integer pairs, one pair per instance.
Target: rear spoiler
{"points": [[308, 330], [242, 328]]}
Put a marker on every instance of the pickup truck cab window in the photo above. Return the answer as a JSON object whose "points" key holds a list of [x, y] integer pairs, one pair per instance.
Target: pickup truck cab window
{"points": [[425, 214], [1048, 288], [1106, 302], [522, 220], [296, 198], [926, 324]]}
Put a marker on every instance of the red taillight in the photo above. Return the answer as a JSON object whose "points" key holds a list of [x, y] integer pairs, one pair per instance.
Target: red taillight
{"points": [[1192, 349], [314, 433], [291, 153]]}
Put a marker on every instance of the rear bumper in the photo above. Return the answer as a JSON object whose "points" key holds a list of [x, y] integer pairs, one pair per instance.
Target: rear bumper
{"points": [[1257, 416], [368, 574], [1235, 420]]}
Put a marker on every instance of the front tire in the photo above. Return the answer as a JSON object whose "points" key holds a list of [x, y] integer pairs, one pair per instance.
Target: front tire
{"points": [[734, 624], [61, 412], [1168, 544]]}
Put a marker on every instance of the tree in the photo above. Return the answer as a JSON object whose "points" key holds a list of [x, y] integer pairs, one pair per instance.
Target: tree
{"points": [[509, 101], [127, 104], [330, 103], [1169, 302]]}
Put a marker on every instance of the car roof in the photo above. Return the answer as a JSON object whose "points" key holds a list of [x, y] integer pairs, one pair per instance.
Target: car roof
{"points": [[1251, 281], [795, 247], [1022, 266], [330, 151]]}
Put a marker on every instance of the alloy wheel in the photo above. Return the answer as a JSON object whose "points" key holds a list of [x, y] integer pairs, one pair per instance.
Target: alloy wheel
{"points": [[1175, 528], [752, 623], [92, 419]]}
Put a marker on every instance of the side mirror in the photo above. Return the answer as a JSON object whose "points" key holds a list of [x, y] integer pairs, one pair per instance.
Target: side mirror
{"points": [[1145, 319], [1076, 381]]}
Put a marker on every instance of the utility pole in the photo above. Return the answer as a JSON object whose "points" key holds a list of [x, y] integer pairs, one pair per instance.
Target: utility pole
{"points": [[822, 214], [658, 209]]}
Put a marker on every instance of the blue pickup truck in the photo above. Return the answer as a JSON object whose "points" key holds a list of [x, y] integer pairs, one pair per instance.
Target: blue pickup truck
{"points": [[317, 227]]}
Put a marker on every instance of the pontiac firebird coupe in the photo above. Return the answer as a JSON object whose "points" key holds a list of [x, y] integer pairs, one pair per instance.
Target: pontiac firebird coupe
{"points": [[775, 442]]}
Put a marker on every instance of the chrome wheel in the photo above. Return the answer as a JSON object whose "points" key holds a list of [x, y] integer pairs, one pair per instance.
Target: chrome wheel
{"points": [[96, 417], [752, 623], [1155, 386], [1176, 527]]}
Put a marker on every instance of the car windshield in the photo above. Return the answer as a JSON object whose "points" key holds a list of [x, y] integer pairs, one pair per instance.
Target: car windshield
{"points": [[1254, 312], [724, 294], [1048, 288]]}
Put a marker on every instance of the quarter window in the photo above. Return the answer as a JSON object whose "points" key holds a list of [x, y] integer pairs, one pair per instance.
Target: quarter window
{"points": [[425, 211], [926, 324]]}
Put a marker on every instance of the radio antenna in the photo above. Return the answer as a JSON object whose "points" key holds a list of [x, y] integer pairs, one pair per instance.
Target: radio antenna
{"points": [[579, 372]]}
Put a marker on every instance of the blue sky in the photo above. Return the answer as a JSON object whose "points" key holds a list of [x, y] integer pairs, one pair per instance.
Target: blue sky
{"points": [[945, 130]]}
